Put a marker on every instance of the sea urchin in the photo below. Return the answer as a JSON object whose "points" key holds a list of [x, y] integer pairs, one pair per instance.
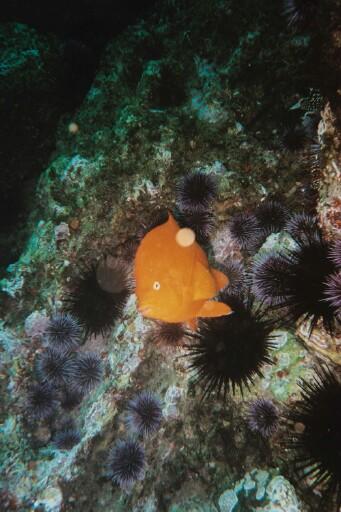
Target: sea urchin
{"points": [[295, 280], [63, 331], [196, 191], [144, 414], [229, 351], [246, 231], [42, 402], [126, 463], [99, 296], [317, 445], [87, 372], [262, 417]]}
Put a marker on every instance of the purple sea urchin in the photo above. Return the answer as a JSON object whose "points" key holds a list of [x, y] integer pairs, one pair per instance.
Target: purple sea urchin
{"points": [[333, 292], [302, 227], [229, 351], [66, 438], [91, 302], [70, 398], [245, 231], [262, 417], [271, 216], [196, 191], [54, 366], [87, 372], [42, 402], [144, 414], [335, 253], [317, 446], [235, 271], [63, 331], [126, 463], [268, 278]]}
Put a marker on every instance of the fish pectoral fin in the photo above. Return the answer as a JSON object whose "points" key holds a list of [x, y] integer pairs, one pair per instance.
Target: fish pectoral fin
{"points": [[211, 308], [192, 324], [220, 278], [204, 285]]}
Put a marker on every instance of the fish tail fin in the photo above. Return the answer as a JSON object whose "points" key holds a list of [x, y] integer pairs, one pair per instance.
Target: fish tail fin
{"points": [[211, 309]]}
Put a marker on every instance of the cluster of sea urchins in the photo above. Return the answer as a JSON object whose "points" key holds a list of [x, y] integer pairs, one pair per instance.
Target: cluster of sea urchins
{"points": [[64, 377], [303, 281], [249, 230], [126, 462]]}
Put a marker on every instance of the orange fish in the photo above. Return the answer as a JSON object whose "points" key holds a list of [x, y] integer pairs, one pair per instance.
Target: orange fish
{"points": [[174, 281]]}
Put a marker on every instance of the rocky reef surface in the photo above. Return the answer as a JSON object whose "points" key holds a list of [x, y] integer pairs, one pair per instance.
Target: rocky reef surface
{"points": [[202, 86]]}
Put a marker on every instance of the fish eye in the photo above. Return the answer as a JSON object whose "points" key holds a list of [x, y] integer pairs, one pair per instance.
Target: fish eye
{"points": [[156, 285]]}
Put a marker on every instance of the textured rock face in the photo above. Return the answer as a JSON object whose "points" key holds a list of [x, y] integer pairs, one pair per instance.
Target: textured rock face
{"points": [[191, 88], [329, 184], [328, 181]]}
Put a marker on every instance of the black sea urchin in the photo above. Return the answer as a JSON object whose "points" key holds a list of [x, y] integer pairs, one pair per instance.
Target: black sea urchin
{"points": [[144, 414], [272, 216], [262, 417], [245, 231], [196, 191], [42, 402], [87, 372], [230, 350], [99, 296], [295, 280], [63, 331], [126, 463], [54, 366], [317, 444]]}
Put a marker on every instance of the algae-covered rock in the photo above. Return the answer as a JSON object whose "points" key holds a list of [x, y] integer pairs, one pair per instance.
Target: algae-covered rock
{"points": [[203, 86], [263, 492]]}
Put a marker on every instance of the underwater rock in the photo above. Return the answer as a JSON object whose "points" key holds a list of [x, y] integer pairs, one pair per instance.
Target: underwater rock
{"points": [[228, 501], [329, 178], [268, 494], [282, 496], [36, 324], [51, 500], [139, 130]]}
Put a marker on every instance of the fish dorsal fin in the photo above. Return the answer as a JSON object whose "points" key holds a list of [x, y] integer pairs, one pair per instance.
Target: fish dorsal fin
{"points": [[211, 308], [204, 286], [220, 278]]}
